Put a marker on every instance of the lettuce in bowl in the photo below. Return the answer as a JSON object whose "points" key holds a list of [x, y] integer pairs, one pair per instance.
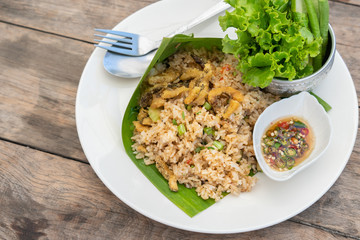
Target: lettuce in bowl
{"points": [[274, 40]]}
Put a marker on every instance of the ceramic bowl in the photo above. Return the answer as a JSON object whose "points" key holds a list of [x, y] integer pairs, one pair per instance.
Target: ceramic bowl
{"points": [[305, 106]]}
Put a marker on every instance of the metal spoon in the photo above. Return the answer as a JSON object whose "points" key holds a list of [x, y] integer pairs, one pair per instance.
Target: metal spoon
{"points": [[134, 67], [126, 66]]}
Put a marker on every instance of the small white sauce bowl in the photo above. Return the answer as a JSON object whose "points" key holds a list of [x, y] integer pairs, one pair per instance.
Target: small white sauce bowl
{"points": [[305, 106]]}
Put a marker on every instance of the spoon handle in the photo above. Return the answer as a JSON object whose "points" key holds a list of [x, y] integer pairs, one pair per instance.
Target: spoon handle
{"points": [[217, 8]]}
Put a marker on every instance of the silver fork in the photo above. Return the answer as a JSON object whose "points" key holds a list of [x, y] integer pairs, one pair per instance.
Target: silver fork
{"points": [[132, 44]]}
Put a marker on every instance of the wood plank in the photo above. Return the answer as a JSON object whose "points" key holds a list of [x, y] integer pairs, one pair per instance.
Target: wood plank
{"points": [[46, 196], [351, 58], [352, 2], [345, 21], [39, 78], [344, 18], [69, 18]]}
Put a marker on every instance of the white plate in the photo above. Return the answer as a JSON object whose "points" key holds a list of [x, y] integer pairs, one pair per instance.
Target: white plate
{"points": [[102, 100]]}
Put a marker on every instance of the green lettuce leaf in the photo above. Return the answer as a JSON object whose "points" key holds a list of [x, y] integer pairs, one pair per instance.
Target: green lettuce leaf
{"points": [[186, 199], [272, 41]]}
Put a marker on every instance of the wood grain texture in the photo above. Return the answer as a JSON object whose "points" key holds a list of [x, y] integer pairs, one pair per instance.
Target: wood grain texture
{"points": [[48, 197], [352, 2], [39, 78], [351, 58], [345, 21], [75, 19]]}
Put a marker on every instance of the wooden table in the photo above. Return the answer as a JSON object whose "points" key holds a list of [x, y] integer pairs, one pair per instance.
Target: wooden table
{"points": [[49, 190]]}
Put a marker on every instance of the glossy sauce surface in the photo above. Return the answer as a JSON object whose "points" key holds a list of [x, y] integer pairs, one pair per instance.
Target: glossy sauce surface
{"points": [[286, 143]]}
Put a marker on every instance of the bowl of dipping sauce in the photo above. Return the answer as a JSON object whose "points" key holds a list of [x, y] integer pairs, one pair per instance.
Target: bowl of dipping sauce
{"points": [[290, 135]]}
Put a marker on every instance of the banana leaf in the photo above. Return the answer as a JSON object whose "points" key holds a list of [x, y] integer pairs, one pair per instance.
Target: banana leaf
{"points": [[186, 199]]}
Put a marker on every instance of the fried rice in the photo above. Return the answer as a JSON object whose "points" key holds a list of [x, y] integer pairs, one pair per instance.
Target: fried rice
{"points": [[192, 158]]}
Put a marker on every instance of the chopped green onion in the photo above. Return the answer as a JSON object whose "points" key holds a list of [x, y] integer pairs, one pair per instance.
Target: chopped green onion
{"points": [[183, 115], [218, 145], [277, 145], [207, 106], [209, 131], [210, 148], [280, 163], [290, 152], [174, 122], [198, 149], [269, 141], [251, 173], [198, 113], [272, 149], [290, 163], [181, 129], [188, 107], [192, 165]]}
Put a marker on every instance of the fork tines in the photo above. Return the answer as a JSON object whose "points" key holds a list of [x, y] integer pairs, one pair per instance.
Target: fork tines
{"points": [[124, 42]]}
